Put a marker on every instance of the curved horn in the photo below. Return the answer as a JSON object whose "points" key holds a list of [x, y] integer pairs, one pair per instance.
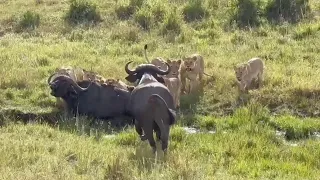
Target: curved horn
{"points": [[74, 84], [161, 72], [49, 79], [128, 71]]}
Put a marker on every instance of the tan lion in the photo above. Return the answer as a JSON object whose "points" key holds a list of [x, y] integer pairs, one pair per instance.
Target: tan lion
{"points": [[173, 82], [192, 68], [93, 76], [159, 62], [247, 72], [118, 83]]}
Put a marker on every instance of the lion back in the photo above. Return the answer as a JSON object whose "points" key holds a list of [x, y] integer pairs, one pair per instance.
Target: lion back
{"points": [[254, 67]]}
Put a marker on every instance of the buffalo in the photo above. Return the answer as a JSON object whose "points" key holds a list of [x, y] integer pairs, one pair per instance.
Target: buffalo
{"points": [[151, 104], [103, 102]]}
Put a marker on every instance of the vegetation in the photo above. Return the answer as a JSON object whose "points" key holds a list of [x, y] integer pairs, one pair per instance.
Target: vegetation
{"points": [[81, 11], [270, 133]]}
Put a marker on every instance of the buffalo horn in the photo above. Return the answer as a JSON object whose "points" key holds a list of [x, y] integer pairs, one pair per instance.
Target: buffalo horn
{"points": [[128, 71]]}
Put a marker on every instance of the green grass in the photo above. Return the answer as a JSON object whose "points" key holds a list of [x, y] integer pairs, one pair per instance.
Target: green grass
{"points": [[245, 144]]}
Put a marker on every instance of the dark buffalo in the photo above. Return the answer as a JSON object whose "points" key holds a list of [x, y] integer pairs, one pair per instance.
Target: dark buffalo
{"points": [[151, 104], [103, 102]]}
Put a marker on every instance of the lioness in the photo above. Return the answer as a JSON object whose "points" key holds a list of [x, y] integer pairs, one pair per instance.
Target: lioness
{"points": [[247, 72], [93, 76], [191, 68], [118, 83], [159, 62], [173, 82]]}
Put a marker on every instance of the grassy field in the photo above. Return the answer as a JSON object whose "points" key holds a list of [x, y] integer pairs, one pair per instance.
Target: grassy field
{"points": [[245, 145]]}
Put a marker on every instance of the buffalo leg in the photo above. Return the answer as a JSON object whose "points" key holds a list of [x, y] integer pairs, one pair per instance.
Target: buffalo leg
{"points": [[157, 130], [139, 130], [165, 138], [148, 130]]}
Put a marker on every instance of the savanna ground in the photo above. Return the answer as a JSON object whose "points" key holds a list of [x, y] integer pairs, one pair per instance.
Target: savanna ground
{"points": [[247, 143]]}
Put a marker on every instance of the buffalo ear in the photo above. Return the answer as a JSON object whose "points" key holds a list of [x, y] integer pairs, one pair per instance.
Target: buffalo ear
{"points": [[131, 78], [160, 79]]}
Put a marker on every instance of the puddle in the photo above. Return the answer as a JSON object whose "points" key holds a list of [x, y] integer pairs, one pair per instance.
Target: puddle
{"points": [[192, 130], [109, 136]]}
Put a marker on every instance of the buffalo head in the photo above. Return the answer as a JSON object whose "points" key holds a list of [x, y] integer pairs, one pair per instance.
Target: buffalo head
{"points": [[134, 75], [62, 85]]}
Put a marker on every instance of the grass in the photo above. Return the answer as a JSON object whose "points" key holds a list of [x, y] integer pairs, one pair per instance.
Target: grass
{"points": [[245, 145]]}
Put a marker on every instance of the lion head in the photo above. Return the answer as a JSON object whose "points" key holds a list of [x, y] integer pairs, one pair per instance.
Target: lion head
{"points": [[240, 70], [116, 83], [189, 63], [175, 68]]}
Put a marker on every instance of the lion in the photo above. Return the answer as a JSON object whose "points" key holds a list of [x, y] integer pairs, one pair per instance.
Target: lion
{"points": [[117, 83], [247, 72], [159, 62], [191, 68], [93, 76], [172, 80]]}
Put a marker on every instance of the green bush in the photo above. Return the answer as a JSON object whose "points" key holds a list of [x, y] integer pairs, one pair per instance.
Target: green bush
{"points": [[81, 11], [287, 10], [194, 10], [144, 18], [158, 12], [171, 23], [247, 13], [124, 12], [29, 20]]}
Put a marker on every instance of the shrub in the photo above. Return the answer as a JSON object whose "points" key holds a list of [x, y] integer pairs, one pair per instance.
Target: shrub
{"points": [[158, 12], [287, 10], [194, 10], [29, 20], [126, 11], [81, 11], [143, 17], [171, 23], [246, 13], [129, 33]]}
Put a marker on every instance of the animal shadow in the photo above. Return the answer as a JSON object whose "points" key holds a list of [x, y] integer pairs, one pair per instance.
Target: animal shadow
{"points": [[144, 158]]}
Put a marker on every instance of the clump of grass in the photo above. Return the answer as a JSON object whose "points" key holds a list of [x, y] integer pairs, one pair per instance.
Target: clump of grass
{"points": [[172, 23], [304, 32], [158, 12], [144, 18], [292, 11], [29, 20], [82, 11], [128, 33], [125, 11], [194, 10], [246, 13]]}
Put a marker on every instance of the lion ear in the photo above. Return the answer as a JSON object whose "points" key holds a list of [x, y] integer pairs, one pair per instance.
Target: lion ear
{"points": [[194, 58], [183, 57], [118, 80], [179, 61], [57, 69], [234, 67], [168, 61]]}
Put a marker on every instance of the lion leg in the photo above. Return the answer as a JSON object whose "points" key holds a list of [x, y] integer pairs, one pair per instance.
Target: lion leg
{"points": [[183, 84], [193, 85], [260, 79], [178, 96], [200, 76]]}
